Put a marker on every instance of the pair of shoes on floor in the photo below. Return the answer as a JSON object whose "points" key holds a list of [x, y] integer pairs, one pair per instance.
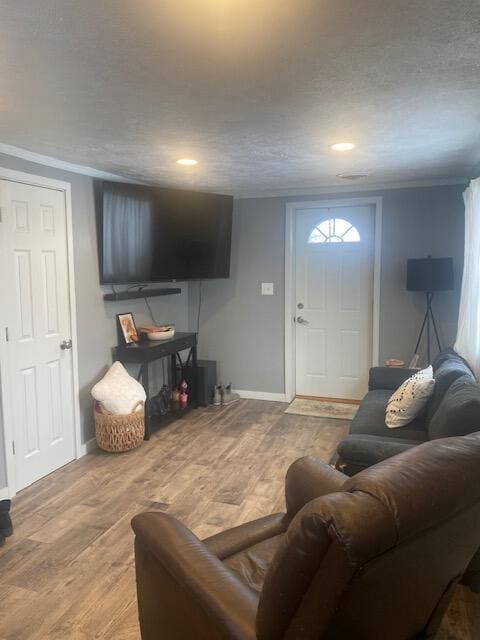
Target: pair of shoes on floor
{"points": [[6, 528], [224, 395]]}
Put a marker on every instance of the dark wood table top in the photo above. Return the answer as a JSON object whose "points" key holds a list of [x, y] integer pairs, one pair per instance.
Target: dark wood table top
{"points": [[148, 350]]}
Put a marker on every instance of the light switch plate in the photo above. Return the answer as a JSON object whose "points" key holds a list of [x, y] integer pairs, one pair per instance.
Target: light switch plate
{"points": [[267, 288]]}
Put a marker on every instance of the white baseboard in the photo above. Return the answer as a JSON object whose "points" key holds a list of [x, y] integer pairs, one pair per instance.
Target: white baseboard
{"points": [[261, 395], [87, 447]]}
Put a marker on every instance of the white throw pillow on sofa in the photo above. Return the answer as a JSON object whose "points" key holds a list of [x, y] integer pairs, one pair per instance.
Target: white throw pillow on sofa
{"points": [[409, 399], [117, 391]]}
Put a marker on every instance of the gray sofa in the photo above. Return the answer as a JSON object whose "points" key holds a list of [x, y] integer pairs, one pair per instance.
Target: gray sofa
{"points": [[453, 410]]}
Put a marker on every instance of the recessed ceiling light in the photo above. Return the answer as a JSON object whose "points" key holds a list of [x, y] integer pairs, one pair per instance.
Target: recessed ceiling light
{"points": [[187, 162], [342, 146]]}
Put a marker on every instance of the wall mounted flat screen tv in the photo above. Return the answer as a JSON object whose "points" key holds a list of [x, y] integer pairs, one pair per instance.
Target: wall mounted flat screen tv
{"points": [[150, 234]]}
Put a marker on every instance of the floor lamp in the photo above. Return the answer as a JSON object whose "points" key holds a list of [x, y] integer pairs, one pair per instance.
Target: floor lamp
{"points": [[429, 275]]}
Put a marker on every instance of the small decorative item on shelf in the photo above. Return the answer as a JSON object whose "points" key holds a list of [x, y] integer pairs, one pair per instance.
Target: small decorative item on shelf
{"points": [[161, 332], [395, 363], [156, 405], [127, 331], [164, 397], [183, 394], [414, 362]]}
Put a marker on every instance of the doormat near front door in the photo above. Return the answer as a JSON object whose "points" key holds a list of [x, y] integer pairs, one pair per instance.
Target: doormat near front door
{"points": [[322, 409]]}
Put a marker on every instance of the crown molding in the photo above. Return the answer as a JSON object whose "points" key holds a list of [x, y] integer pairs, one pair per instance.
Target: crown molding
{"points": [[350, 188], [48, 161]]}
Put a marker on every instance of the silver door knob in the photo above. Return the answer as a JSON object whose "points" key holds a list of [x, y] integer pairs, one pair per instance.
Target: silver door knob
{"points": [[65, 344], [301, 320]]}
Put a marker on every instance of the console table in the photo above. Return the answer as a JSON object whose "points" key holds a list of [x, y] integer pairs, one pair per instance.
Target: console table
{"points": [[147, 351]]}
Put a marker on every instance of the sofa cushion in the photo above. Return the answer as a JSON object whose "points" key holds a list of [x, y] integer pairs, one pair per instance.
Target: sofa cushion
{"points": [[370, 419], [448, 354], [365, 450], [459, 410], [388, 377], [251, 564], [441, 357], [445, 373]]}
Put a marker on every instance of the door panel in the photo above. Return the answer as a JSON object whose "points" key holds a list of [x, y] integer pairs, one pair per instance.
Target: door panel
{"points": [[316, 352], [27, 411], [350, 349], [54, 394], [35, 263], [334, 297], [23, 293], [350, 280], [50, 278], [316, 281]]}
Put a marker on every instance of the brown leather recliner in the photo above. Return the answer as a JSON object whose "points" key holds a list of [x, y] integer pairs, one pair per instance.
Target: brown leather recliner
{"points": [[371, 557]]}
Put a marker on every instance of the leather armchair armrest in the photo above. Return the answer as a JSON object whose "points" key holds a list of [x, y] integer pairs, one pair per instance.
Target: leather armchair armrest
{"points": [[229, 542], [388, 377], [183, 590], [309, 478]]}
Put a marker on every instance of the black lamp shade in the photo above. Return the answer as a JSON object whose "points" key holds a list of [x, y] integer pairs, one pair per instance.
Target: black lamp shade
{"points": [[430, 274]]}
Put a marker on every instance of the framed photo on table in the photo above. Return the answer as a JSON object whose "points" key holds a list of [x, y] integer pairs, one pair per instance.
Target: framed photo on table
{"points": [[127, 331]]}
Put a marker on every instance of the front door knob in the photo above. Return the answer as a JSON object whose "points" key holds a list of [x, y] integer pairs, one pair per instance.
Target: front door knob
{"points": [[301, 320], [66, 344]]}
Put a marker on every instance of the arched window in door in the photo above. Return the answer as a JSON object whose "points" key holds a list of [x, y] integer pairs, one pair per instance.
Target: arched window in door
{"points": [[334, 230]]}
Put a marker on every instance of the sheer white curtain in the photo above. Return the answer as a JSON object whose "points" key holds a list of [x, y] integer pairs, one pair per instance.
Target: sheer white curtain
{"points": [[468, 334]]}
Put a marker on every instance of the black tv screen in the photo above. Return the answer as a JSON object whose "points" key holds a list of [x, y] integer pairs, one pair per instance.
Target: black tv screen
{"points": [[150, 234]]}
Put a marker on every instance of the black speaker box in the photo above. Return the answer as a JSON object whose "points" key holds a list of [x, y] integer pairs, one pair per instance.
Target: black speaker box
{"points": [[206, 380]]}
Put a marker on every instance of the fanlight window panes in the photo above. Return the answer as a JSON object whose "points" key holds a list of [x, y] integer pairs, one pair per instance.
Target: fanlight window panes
{"points": [[334, 230]]}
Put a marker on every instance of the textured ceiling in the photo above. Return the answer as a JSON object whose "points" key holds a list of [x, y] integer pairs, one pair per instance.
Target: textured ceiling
{"points": [[256, 90]]}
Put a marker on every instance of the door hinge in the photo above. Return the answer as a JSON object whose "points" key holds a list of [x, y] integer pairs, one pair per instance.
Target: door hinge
{"points": [[6, 334], [13, 446], [1, 214]]}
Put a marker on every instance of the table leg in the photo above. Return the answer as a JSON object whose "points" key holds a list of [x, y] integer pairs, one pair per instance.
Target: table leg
{"points": [[194, 378], [145, 383], [173, 371]]}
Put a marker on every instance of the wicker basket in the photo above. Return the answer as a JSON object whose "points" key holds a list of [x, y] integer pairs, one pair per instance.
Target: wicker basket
{"points": [[119, 432]]}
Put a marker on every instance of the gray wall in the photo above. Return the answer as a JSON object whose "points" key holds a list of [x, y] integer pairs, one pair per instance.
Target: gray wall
{"points": [[95, 318], [239, 328], [244, 331]]}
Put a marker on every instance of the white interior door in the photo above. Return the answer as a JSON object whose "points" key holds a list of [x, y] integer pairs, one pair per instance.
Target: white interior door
{"points": [[36, 312], [334, 259]]}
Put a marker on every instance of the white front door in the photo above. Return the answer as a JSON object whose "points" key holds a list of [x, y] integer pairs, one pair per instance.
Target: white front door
{"points": [[334, 257], [34, 288]]}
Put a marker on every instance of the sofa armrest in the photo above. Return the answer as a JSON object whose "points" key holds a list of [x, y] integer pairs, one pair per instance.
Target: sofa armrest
{"points": [[183, 590], [362, 450], [309, 478], [388, 377]]}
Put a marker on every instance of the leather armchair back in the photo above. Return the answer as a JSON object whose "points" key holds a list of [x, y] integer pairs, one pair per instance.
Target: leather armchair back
{"points": [[348, 565]]}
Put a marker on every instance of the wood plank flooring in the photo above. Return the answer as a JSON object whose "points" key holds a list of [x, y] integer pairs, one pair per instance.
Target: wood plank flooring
{"points": [[67, 572]]}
